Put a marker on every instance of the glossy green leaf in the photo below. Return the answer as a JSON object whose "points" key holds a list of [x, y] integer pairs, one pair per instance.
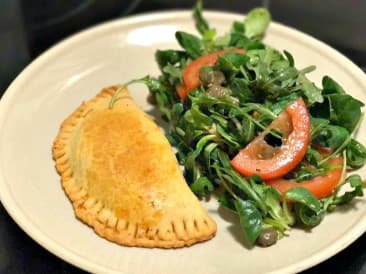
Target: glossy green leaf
{"points": [[356, 154], [250, 219], [191, 43], [202, 187], [256, 22]]}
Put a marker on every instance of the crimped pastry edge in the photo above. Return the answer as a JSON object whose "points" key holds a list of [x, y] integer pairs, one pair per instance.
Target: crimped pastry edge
{"points": [[104, 223]]}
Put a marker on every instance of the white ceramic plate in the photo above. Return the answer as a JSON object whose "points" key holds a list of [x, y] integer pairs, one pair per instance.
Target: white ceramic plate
{"points": [[75, 70]]}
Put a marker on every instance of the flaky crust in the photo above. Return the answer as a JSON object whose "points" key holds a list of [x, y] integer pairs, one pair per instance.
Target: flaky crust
{"points": [[123, 179]]}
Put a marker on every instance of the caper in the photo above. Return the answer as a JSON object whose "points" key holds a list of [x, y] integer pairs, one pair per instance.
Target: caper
{"points": [[217, 91], [267, 237], [210, 77], [151, 98]]}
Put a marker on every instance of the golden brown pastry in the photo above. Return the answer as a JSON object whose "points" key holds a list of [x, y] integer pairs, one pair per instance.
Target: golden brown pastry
{"points": [[123, 179]]}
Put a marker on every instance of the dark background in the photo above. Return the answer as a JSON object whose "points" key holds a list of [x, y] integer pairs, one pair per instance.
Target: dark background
{"points": [[29, 27]]}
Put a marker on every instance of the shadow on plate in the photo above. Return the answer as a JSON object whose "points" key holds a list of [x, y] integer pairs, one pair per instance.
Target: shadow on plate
{"points": [[234, 228]]}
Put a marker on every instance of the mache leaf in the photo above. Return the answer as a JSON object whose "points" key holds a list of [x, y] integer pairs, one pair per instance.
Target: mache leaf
{"points": [[345, 110], [256, 22], [202, 186], [331, 86], [303, 196], [165, 57], [356, 154], [200, 22], [250, 219], [193, 45], [307, 207]]}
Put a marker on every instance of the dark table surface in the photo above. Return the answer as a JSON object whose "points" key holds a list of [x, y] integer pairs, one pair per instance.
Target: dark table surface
{"points": [[27, 28]]}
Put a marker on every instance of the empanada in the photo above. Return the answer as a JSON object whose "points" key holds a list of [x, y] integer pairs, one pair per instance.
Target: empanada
{"points": [[123, 179]]}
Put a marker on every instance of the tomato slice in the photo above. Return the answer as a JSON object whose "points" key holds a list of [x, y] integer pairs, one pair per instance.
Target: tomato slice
{"points": [[182, 91], [257, 157], [323, 150], [320, 186], [191, 79]]}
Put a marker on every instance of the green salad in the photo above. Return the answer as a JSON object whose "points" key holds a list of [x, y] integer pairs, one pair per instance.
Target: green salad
{"points": [[253, 130]]}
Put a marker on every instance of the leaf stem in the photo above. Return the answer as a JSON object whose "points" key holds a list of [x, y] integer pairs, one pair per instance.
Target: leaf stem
{"points": [[228, 189], [121, 88], [265, 129]]}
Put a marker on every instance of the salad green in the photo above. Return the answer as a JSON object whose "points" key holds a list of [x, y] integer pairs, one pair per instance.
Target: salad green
{"points": [[238, 97]]}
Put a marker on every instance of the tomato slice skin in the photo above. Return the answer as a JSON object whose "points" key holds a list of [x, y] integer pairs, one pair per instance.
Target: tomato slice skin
{"points": [[191, 72], [247, 161], [319, 186], [182, 91]]}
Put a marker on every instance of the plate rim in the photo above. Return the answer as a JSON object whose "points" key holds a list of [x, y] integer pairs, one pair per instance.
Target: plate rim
{"points": [[150, 17]]}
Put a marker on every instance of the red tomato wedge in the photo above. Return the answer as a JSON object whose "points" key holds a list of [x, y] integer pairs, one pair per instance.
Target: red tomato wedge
{"points": [[191, 79], [320, 186], [271, 163]]}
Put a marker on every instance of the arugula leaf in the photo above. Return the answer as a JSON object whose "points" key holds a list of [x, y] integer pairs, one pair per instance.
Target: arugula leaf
{"points": [[231, 176], [271, 76], [240, 89], [313, 156], [198, 118], [282, 102], [164, 94], [230, 63], [228, 137], [355, 182], [312, 92], [173, 73]]}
